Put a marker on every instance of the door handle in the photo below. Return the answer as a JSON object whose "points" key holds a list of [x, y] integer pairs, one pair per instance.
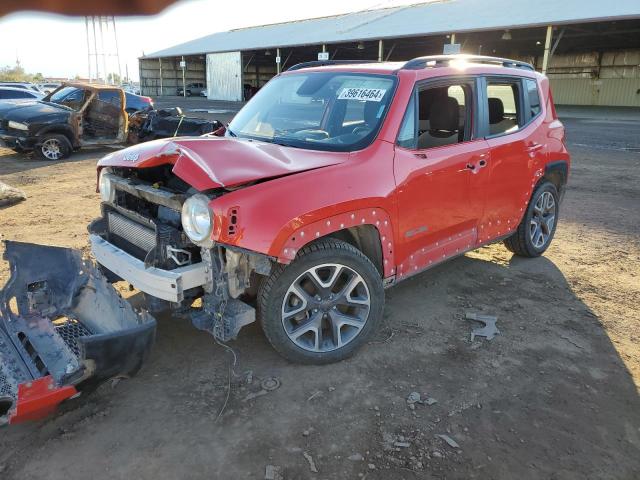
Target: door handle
{"points": [[481, 162], [534, 147]]}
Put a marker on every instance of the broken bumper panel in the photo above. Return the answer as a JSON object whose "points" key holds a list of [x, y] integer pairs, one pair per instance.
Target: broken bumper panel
{"points": [[63, 328], [167, 285], [16, 142]]}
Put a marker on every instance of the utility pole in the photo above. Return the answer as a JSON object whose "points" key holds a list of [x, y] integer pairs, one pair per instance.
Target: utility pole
{"points": [[102, 42], [104, 55], [95, 48], [115, 36], [86, 26]]}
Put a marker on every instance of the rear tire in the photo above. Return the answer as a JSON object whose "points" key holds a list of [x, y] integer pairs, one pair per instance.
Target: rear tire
{"points": [[538, 226], [324, 305], [53, 147]]}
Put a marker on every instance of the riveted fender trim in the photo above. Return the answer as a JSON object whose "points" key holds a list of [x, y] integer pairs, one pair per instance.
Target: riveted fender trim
{"points": [[303, 234]]}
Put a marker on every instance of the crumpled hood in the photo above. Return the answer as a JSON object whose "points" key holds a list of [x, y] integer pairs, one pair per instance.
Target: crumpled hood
{"points": [[28, 111], [213, 162]]}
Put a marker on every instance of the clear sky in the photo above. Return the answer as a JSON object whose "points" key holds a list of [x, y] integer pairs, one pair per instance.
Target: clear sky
{"points": [[56, 45]]}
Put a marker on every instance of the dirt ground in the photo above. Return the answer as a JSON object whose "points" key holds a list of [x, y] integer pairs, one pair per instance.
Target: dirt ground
{"points": [[555, 396]]}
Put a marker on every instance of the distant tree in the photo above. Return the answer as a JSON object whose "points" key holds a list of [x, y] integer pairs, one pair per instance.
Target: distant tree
{"points": [[13, 74], [113, 78], [17, 74]]}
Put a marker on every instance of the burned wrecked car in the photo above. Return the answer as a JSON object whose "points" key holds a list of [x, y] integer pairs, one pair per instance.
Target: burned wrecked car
{"points": [[63, 329], [80, 115], [334, 182], [73, 116], [148, 125]]}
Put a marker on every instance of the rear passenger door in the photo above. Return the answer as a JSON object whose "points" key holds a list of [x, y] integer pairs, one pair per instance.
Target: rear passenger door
{"points": [[516, 152], [437, 154]]}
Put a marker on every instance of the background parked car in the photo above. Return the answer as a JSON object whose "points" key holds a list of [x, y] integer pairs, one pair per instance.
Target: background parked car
{"points": [[12, 93], [131, 88], [47, 88], [23, 85], [192, 89], [135, 102]]}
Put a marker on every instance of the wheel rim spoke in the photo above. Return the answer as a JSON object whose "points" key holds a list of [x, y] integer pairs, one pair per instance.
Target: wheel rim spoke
{"points": [[326, 307], [542, 220], [304, 301], [51, 149]]}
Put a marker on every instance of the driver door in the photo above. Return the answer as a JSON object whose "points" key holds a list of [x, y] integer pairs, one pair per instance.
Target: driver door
{"points": [[104, 119], [437, 157]]}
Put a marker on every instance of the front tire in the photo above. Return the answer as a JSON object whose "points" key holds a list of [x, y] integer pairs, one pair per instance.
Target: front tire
{"points": [[324, 305], [538, 226], [53, 147]]}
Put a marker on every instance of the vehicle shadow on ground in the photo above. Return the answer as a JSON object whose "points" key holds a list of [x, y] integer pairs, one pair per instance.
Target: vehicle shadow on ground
{"points": [[548, 398]]}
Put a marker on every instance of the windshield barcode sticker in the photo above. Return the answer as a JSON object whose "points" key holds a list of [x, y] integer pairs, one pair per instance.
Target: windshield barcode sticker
{"points": [[366, 94]]}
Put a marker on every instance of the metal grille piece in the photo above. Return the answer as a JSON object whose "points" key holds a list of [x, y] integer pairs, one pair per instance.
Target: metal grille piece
{"points": [[131, 231], [6, 388], [70, 330]]}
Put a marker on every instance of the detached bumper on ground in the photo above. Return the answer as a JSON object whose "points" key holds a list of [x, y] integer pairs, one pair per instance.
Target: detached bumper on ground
{"points": [[63, 328]]}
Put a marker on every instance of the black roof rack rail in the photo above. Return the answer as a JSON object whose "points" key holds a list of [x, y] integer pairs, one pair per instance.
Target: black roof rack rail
{"points": [[440, 60], [324, 63]]}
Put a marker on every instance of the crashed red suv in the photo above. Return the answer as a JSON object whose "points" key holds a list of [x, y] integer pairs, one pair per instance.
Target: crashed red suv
{"points": [[333, 183]]}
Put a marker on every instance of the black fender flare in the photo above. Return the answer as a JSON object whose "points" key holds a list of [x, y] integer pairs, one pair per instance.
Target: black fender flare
{"points": [[557, 172], [60, 129]]}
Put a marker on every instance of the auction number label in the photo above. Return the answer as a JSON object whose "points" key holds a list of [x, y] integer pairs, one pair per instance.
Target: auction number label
{"points": [[366, 94]]}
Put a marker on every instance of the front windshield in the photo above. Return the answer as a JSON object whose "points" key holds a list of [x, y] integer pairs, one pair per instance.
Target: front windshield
{"points": [[71, 97], [317, 110]]}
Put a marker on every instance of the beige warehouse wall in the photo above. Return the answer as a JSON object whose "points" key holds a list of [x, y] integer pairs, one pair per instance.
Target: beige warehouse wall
{"points": [[596, 78], [618, 92]]}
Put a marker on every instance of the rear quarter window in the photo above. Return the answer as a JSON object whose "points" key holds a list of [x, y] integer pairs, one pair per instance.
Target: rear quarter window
{"points": [[531, 88]]}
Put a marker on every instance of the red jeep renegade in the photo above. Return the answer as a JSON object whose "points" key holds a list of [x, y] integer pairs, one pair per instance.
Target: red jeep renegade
{"points": [[337, 180]]}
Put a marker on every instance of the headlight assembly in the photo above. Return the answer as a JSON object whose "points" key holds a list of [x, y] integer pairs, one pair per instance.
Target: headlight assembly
{"points": [[107, 191], [18, 125], [197, 220]]}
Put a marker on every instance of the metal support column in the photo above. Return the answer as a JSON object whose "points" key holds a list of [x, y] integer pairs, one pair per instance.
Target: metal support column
{"points": [[278, 60], [184, 83], [160, 63], [453, 38], [380, 50], [547, 47]]}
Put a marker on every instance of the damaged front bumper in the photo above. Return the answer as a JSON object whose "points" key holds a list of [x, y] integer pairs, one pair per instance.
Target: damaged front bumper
{"points": [[168, 285], [17, 142], [63, 328]]}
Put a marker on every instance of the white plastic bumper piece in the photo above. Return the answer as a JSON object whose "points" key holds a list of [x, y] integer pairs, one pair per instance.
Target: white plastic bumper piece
{"points": [[165, 284]]}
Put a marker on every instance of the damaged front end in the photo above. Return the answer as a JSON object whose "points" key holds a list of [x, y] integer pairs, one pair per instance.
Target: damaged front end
{"points": [[140, 238], [63, 329]]}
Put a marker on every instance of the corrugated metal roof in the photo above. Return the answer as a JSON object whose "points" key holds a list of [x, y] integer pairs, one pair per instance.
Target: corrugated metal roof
{"points": [[431, 18]]}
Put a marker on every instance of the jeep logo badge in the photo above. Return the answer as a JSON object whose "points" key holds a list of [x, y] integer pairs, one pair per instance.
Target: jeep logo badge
{"points": [[131, 156]]}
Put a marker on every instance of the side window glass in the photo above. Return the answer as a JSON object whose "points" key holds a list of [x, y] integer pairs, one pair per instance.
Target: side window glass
{"points": [[504, 107], [534, 98], [109, 96], [442, 114], [407, 134]]}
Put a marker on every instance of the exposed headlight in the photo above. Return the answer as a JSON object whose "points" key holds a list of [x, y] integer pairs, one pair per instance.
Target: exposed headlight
{"points": [[18, 125], [107, 192], [197, 220]]}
